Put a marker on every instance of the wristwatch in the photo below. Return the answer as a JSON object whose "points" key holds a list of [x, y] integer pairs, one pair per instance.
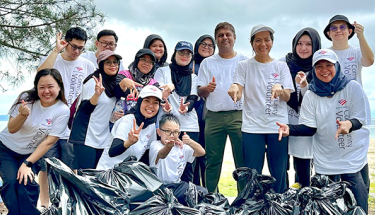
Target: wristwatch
{"points": [[28, 163]]}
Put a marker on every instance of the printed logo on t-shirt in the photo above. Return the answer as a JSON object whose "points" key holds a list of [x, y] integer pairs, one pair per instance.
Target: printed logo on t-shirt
{"points": [[271, 105], [148, 136], [38, 138], [49, 121], [275, 75], [350, 58], [342, 114], [75, 84], [79, 68]]}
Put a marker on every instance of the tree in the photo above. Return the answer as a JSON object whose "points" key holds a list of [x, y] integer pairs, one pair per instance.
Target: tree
{"points": [[28, 31]]}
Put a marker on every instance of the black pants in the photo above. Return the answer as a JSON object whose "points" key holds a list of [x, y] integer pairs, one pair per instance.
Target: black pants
{"points": [[18, 198], [200, 162], [86, 157], [188, 173], [303, 169]]}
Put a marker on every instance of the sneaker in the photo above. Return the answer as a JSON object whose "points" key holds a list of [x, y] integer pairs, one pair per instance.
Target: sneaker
{"points": [[42, 209], [296, 185]]}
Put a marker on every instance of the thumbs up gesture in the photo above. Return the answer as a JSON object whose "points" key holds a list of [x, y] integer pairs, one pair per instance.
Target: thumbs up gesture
{"points": [[186, 139], [212, 85]]}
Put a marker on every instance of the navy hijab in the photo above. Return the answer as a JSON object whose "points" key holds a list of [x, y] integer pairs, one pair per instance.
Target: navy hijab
{"points": [[139, 118], [297, 64]]}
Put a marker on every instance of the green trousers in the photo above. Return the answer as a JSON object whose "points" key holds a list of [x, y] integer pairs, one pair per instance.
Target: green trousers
{"points": [[218, 126]]}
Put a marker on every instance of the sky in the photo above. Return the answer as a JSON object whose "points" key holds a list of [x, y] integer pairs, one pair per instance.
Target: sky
{"points": [[134, 20]]}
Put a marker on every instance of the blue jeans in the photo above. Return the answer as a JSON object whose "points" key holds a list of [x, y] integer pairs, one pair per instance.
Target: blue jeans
{"points": [[254, 148]]}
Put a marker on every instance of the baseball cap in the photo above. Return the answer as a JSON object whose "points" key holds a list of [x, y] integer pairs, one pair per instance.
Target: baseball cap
{"points": [[325, 54], [260, 28], [184, 45], [338, 18], [150, 90], [107, 53]]}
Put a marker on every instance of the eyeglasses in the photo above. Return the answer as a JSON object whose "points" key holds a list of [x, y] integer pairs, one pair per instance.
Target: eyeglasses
{"points": [[109, 63], [144, 60], [169, 133], [111, 45], [205, 45], [334, 28], [74, 47], [184, 53]]}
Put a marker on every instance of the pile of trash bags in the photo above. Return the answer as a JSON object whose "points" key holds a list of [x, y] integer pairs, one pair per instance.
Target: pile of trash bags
{"points": [[132, 188]]}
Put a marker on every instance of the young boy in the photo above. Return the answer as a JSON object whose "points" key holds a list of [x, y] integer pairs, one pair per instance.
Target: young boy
{"points": [[339, 30], [170, 155]]}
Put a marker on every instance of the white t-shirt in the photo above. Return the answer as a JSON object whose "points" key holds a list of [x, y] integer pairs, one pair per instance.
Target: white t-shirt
{"points": [[189, 120], [89, 55], [98, 127], [120, 130], [41, 122], [223, 70], [73, 74], [347, 154], [298, 146], [170, 169], [350, 62], [260, 114]]}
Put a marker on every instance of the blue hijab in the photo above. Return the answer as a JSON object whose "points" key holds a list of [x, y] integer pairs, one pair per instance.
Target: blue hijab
{"points": [[323, 89]]}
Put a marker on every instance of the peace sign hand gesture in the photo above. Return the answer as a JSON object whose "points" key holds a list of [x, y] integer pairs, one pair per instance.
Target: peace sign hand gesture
{"points": [[167, 107], [60, 43], [98, 85], [183, 107], [133, 135]]}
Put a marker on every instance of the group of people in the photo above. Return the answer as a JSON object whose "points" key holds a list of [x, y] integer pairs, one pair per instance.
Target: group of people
{"points": [[184, 111]]}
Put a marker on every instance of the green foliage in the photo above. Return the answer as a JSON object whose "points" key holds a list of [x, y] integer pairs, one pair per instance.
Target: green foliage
{"points": [[28, 30]]}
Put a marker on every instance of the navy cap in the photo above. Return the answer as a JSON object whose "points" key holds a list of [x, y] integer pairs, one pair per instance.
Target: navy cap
{"points": [[182, 45]]}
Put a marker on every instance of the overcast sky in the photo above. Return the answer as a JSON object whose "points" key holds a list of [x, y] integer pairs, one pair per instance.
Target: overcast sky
{"points": [[134, 20]]}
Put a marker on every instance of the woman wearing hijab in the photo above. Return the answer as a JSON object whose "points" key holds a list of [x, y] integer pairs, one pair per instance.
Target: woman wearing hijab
{"points": [[266, 85], [157, 45], [334, 109], [90, 127], [179, 76], [304, 45], [133, 133], [204, 47]]}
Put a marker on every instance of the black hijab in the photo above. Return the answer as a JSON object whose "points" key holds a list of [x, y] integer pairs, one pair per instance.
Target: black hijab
{"points": [[149, 40], [109, 81], [139, 77], [181, 76], [323, 89], [139, 118], [197, 57], [296, 64]]}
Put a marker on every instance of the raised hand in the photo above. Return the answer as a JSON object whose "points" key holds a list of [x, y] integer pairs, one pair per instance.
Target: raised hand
{"points": [[24, 110], [133, 135], [179, 143], [212, 85], [183, 107], [358, 29], [60, 43], [301, 79], [167, 90], [24, 173], [98, 85], [167, 107], [234, 92], [127, 83], [344, 127], [283, 130], [276, 91], [186, 139], [169, 143]]}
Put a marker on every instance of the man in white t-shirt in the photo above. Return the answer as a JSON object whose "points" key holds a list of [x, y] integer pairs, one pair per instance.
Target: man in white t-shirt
{"points": [[339, 30], [223, 117], [106, 39], [73, 70]]}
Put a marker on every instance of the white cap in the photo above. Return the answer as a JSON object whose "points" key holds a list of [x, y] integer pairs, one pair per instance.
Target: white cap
{"points": [[325, 54], [150, 90], [260, 28]]}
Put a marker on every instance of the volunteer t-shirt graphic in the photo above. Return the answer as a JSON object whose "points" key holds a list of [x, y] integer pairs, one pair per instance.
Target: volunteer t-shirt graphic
{"points": [[78, 75], [271, 105], [342, 114]]}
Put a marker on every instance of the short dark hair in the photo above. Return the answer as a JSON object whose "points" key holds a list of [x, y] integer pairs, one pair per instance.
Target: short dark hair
{"points": [[106, 32], [168, 117], [76, 33], [224, 25], [253, 37]]}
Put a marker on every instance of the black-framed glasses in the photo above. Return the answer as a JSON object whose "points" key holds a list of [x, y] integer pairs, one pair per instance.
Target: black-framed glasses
{"points": [[185, 53], [342, 28], [104, 44], [205, 45], [109, 63], [169, 133], [144, 60], [74, 47]]}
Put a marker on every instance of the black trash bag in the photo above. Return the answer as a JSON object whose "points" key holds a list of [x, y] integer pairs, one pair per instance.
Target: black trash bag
{"points": [[320, 181], [51, 211], [192, 196], [208, 209], [264, 185], [74, 194], [164, 203], [273, 206], [349, 199], [357, 210], [216, 199], [133, 177], [250, 206]]}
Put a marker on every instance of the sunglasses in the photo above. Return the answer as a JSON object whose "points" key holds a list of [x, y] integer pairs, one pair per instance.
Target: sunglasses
{"points": [[342, 28]]}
